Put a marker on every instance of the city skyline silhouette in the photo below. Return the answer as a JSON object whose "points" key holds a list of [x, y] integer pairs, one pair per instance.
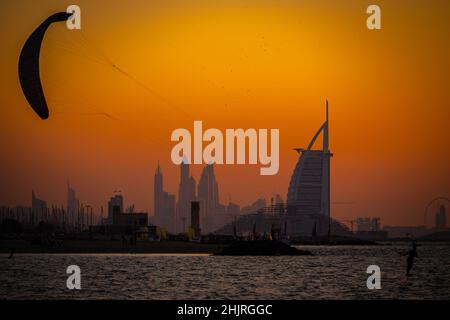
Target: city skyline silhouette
{"points": [[239, 68]]}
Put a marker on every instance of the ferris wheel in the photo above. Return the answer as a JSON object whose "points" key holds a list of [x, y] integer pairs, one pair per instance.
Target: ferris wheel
{"points": [[439, 201]]}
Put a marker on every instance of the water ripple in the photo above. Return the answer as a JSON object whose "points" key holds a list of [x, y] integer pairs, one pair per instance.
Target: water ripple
{"points": [[337, 272]]}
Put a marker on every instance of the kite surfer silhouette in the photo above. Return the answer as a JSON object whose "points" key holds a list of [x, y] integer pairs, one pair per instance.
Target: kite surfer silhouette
{"points": [[412, 254]]}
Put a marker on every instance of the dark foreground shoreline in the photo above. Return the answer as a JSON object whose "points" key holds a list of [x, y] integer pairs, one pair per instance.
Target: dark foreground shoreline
{"points": [[109, 246], [162, 247], [79, 246]]}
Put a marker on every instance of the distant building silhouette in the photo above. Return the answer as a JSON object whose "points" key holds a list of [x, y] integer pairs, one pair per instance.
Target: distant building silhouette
{"points": [[186, 194], [308, 196], [208, 196], [368, 228], [255, 206], [441, 218], [37, 203], [30, 218], [134, 220], [168, 219], [278, 199], [233, 209], [309, 188], [115, 205], [158, 192], [80, 219], [195, 218], [72, 201], [164, 203], [367, 224]]}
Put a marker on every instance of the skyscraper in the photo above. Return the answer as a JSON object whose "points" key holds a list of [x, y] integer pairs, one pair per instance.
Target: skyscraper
{"points": [[158, 192], [308, 196], [72, 205], [72, 201], [195, 218], [115, 205], [164, 203], [186, 194], [208, 196], [168, 221], [309, 188]]}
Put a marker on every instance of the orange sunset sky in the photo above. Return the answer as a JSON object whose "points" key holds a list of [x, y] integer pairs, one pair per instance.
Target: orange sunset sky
{"points": [[231, 64]]}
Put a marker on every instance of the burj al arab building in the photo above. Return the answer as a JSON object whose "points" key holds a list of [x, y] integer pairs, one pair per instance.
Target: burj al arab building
{"points": [[309, 188], [306, 211]]}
